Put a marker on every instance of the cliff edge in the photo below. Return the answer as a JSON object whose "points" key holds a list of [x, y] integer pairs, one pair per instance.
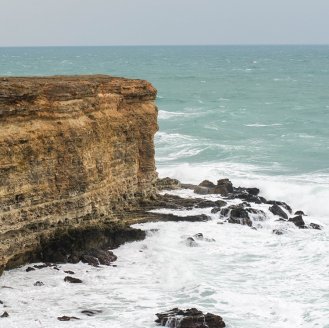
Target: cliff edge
{"points": [[74, 152]]}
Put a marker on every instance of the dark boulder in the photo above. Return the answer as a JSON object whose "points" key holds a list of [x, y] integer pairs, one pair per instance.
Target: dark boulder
{"points": [[298, 221], [277, 210], [4, 315], [190, 318], [72, 280]]}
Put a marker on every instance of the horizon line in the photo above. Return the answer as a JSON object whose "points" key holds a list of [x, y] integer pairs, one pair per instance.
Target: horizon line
{"points": [[168, 45]]}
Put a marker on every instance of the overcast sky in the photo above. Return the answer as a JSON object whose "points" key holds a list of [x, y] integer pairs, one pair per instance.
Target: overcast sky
{"points": [[153, 22]]}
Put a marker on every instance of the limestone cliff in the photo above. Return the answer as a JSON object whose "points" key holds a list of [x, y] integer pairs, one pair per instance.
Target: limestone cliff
{"points": [[74, 151]]}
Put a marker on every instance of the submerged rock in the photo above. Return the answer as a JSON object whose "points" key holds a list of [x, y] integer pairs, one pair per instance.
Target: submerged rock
{"points": [[315, 226], [38, 283], [190, 318], [91, 313], [200, 236], [67, 318], [190, 242]]}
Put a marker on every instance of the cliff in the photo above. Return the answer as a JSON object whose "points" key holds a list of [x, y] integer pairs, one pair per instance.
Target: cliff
{"points": [[75, 151]]}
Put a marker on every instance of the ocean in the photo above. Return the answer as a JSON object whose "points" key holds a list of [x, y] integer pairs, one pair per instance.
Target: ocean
{"points": [[257, 115]]}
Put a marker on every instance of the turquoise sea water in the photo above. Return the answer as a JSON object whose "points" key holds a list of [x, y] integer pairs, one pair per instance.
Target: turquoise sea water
{"points": [[258, 115], [262, 105]]}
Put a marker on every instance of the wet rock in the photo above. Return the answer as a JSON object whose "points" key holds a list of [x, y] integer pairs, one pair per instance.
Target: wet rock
{"points": [[72, 280], [67, 318], [216, 210], [277, 210], [29, 269], [190, 242], [315, 226], [207, 184], [42, 266], [176, 218], [168, 184], [38, 283], [224, 187], [202, 190], [104, 257], [209, 203], [91, 313], [282, 204], [300, 213], [251, 191], [176, 202], [249, 198], [69, 272], [237, 214], [190, 318], [4, 315], [298, 221], [91, 260], [243, 221], [188, 186]]}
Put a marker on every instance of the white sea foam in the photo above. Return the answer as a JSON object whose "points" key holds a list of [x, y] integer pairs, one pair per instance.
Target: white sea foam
{"points": [[251, 278], [257, 125]]}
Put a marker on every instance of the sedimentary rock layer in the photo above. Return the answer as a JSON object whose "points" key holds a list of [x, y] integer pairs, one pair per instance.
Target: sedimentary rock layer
{"points": [[74, 151]]}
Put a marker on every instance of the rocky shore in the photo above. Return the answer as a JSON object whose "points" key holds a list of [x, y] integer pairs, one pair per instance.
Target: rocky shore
{"points": [[77, 169]]}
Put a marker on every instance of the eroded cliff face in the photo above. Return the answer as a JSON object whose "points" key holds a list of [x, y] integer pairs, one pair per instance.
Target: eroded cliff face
{"points": [[74, 152]]}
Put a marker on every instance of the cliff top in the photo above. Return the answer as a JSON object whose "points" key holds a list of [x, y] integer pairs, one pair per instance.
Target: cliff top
{"points": [[14, 90]]}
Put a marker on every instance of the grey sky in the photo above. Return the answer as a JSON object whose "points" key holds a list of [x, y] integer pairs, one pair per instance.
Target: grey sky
{"points": [[121, 22]]}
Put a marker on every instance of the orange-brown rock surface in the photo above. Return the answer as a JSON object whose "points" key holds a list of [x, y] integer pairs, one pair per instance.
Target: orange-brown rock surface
{"points": [[74, 151]]}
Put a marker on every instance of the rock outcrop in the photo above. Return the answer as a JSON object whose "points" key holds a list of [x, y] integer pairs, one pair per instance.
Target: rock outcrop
{"points": [[74, 152]]}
